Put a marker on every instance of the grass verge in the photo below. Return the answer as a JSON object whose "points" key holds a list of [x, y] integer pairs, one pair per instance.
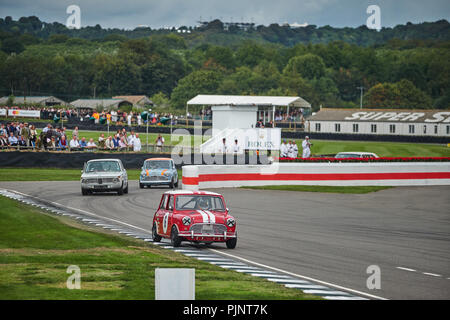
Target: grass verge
{"points": [[382, 149], [329, 189], [49, 174], [37, 248]]}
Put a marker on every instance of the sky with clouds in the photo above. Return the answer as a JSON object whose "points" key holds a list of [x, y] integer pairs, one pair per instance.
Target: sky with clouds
{"points": [[168, 13]]}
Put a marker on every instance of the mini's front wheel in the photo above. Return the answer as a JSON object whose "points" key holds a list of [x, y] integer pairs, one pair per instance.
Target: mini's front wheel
{"points": [[231, 243], [174, 238], [155, 236]]}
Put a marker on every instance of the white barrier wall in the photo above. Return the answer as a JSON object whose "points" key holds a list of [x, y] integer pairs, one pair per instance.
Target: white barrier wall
{"points": [[327, 174]]}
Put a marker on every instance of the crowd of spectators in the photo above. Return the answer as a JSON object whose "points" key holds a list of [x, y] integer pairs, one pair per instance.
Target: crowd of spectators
{"points": [[17, 134], [117, 117], [121, 141], [283, 116], [21, 135]]}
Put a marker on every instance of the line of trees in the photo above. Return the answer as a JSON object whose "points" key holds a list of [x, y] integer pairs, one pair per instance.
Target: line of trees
{"points": [[396, 74]]}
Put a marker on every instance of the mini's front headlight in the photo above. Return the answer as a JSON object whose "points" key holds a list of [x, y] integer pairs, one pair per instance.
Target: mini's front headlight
{"points": [[186, 220], [231, 222]]}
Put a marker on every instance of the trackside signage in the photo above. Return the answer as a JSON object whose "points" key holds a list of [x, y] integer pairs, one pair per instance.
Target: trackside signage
{"points": [[401, 116], [263, 139], [24, 113]]}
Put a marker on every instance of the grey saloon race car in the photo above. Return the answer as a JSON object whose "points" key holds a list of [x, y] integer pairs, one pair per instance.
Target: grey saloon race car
{"points": [[158, 171], [104, 175]]}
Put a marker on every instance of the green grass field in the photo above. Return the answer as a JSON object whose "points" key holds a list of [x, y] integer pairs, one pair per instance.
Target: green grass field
{"points": [[169, 139], [53, 174], [382, 149], [37, 248], [327, 189]]}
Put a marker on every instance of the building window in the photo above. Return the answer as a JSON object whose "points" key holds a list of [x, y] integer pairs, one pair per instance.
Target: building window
{"points": [[448, 129], [317, 127], [411, 128], [337, 127], [355, 127], [373, 128], [392, 128], [435, 129], [424, 129]]}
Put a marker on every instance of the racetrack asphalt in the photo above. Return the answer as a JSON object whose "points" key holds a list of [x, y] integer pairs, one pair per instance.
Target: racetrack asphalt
{"points": [[405, 231]]}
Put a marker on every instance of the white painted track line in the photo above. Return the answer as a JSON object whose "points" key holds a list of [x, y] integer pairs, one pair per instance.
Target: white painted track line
{"points": [[301, 276], [407, 269], [225, 261], [431, 274]]}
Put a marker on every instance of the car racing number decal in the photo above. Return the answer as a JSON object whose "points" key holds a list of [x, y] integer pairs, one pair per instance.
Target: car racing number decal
{"points": [[165, 222]]}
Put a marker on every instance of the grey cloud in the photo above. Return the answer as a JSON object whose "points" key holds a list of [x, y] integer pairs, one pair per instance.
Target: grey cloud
{"points": [[159, 13]]}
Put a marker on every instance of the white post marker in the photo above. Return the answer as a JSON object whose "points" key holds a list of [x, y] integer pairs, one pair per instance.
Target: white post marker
{"points": [[174, 284], [190, 178]]}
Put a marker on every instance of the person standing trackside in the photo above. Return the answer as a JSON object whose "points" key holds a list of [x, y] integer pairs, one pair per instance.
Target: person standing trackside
{"points": [[224, 148], [159, 143], [283, 149], [306, 145], [294, 149], [236, 147], [290, 150], [137, 143]]}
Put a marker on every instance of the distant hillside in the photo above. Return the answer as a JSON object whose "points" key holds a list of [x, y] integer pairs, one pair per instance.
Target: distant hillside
{"points": [[403, 67], [214, 33]]}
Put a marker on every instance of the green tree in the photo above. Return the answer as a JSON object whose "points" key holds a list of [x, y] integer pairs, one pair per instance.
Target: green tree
{"points": [[223, 56], [402, 94], [309, 66], [12, 45], [160, 100], [412, 97], [198, 82]]}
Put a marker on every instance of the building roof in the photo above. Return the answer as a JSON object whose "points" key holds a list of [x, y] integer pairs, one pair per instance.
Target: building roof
{"points": [[33, 99], [149, 159], [381, 115], [214, 100], [93, 103], [136, 99]]}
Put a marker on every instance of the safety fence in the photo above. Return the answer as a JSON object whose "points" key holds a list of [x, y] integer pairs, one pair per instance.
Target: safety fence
{"points": [[323, 173]]}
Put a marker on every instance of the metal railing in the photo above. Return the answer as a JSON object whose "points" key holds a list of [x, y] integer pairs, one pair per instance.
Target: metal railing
{"points": [[151, 148]]}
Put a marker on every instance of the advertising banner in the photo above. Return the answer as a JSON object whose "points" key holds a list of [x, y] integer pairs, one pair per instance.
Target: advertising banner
{"points": [[262, 139], [24, 113]]}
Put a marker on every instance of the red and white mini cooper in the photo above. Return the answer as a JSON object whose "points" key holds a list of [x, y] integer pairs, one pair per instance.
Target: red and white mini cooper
{"points": [[196, 216]]}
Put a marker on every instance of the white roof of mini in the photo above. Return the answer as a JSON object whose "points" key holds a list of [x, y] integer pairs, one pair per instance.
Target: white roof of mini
{"points": [[104, 160], [212, 100], [192, 192]]}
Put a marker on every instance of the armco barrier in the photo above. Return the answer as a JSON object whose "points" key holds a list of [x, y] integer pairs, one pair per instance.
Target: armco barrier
{"points": [[327, 174]]}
